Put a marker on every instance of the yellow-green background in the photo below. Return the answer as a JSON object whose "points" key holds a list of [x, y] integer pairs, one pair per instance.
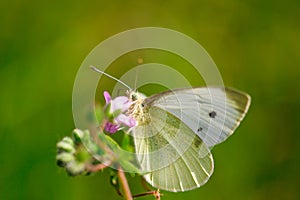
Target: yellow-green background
{"points": [[254, 43]]}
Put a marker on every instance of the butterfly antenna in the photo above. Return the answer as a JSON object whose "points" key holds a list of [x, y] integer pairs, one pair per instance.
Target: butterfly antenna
{"points": [[139, 61], [110, 76]]}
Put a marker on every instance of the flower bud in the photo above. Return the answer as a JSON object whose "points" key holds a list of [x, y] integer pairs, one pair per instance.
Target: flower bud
{"points": [[66, 145], [64, 158], [75, 168]]}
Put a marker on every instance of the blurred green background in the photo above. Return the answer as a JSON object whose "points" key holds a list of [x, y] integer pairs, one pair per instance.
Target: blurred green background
{"points": [[255, 44]]}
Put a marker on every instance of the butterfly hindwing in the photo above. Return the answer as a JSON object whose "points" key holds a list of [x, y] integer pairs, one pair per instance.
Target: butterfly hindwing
{"points": [[175, 157]]}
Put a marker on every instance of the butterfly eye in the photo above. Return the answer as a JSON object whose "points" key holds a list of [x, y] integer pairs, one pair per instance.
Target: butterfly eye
{"points": [[133, 97], [143, 105]]}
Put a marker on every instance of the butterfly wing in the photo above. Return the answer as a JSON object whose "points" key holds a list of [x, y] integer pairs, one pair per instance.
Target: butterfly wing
{"points": [[177, 130], [212, 113], [175, 157]]}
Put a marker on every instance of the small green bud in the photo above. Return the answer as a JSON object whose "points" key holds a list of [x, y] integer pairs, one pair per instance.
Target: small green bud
{"points": [[68, 140], [75, 168], [78, 135], [64, 158], [114, 180], [66, 145]]}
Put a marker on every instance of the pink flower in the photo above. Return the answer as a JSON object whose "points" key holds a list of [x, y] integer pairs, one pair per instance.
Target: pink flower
{"points": [[110, 127], [119, 103], [118, 106], [124, 119]]}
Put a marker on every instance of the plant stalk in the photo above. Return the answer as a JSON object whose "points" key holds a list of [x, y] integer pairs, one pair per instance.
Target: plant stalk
{"points": [[124, 183]]}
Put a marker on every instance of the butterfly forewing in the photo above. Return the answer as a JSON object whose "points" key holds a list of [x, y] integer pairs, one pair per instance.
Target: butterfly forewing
{"points": [[212, 113]]}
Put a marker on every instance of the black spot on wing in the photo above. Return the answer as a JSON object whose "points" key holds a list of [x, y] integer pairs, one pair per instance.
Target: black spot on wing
{"points": [[199, 129], [212, 114]]}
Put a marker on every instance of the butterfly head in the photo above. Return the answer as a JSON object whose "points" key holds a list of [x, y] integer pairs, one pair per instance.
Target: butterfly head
{"points": [[135, 96]]}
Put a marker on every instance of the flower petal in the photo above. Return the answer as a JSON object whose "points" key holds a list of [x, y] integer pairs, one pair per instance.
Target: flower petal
{"points": [[120, 103], [126, 120], [111, 128], [107, 97]]}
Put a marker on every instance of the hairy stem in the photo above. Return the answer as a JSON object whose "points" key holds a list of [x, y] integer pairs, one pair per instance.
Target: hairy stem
{"points": [[124, 183], [95, 168], [156, 194]]}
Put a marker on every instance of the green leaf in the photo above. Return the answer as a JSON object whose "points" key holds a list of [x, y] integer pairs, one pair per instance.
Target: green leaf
{"points": [[126, 143]]}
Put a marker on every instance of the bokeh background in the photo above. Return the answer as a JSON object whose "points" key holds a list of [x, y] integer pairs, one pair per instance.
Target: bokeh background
{"points": [[255, 44]]}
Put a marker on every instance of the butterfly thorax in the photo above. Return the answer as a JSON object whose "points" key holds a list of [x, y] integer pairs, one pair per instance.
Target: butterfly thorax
{"points": [[137, 110]]}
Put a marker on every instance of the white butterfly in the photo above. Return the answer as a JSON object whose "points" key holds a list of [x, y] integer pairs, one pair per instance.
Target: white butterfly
{"points": [[176, 130]]}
